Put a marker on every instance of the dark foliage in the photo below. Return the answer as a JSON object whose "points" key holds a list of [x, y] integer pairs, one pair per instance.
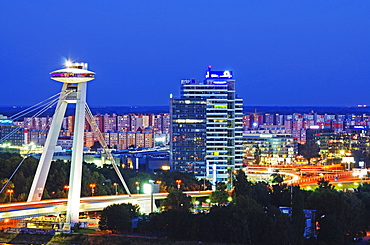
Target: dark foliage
{"points": [[309, 150], [117, 217], [253, 217], [176, 199]]}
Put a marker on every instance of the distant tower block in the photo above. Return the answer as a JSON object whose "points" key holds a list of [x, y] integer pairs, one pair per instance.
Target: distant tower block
{"points": [[74, 78]]}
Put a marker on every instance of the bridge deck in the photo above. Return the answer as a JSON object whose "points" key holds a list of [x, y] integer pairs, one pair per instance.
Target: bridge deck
{"points": [[23, 210]]}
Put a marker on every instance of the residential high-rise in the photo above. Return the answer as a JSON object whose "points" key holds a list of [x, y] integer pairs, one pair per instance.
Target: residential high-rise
{"points": [[207, 127]]}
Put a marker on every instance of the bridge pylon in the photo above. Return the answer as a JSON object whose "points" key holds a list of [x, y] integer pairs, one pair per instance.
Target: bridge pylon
{"points": [[74, 78]]}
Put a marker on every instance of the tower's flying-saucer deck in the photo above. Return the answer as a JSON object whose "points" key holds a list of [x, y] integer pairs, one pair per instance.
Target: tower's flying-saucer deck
{"points": [[74, 78], [74, 73]]}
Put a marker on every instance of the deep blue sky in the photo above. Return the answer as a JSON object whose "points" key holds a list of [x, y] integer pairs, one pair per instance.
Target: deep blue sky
{"points": [[281, 52]]}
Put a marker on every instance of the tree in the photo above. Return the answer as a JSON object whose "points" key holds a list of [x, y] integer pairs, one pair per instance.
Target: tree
{"points": [[176, 199], [341, 215], [241, 184], [95, 146], [176, 224], [298, 216], [188, 180], [257, 155], [219, 197], [200, 227], [363, 193], [261, 193], [324, 184], [4, 195], [249, 223], [309, 150], [354, 215], [117, 217], [221, 186], [280, 195], [277, 178]]}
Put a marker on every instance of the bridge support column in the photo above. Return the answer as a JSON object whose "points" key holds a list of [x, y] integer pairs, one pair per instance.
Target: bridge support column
{"points": [[43, 167], [75, 177], [74, 78]]}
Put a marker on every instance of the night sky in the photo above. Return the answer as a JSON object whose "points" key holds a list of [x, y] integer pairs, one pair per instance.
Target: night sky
{"points": [[285, 53]]}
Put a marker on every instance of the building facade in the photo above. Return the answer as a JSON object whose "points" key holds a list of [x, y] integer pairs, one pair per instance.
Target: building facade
{"points": [[207, 127], [11, 133], [355, 140], [273, 149]]}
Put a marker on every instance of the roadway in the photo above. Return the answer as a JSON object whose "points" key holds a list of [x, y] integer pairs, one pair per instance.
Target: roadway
{"points": [[21, 210], [333, 173]]}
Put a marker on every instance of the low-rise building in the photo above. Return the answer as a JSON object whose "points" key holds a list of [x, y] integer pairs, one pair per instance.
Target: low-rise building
{"points": [[274, 149]]}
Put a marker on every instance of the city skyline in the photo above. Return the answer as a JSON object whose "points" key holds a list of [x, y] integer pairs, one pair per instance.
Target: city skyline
{"points": [[285, 54]]}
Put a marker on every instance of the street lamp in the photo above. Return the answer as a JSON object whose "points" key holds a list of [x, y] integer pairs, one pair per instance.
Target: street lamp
{"points": [[159, 182], [10, 191], [115, 185], [178, 181], [66, 187], [151, 195], [92, 186], [137, 187]]}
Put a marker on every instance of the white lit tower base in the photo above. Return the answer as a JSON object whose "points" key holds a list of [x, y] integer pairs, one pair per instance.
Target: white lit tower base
{"points": [[74, 78]]}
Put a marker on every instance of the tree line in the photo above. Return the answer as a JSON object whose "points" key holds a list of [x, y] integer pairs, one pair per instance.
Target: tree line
{"points": [[103, 177], [253, 215]]}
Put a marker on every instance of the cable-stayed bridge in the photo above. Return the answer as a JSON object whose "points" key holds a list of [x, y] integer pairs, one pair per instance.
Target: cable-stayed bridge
{"points": [[74, 78]]}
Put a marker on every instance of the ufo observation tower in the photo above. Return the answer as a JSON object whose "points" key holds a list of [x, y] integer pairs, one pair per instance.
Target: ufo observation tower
{"points": [[74, 78]]}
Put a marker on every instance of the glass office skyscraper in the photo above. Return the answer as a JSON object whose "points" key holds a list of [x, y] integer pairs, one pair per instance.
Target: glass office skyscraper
{"points": [[206, 123]]}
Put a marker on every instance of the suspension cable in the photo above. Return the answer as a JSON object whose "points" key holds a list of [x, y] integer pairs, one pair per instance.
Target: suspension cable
{"points": [[57, 109], [89, 118], [15, 171], [29, 120], [30, 109], [99, 135], [45, 108]]}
